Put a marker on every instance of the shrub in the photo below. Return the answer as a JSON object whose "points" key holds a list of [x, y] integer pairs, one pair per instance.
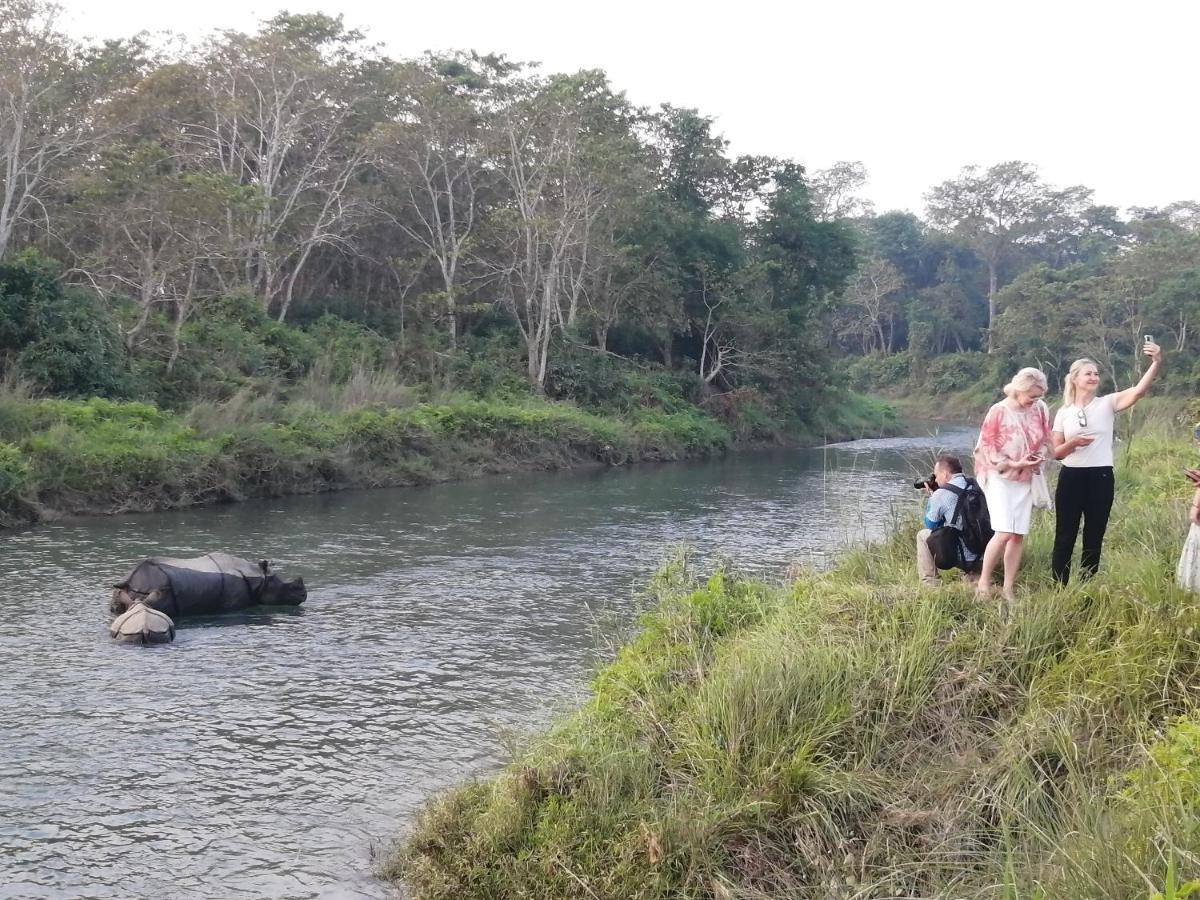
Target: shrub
{"points": [[877, 372], [63, 342], [345, 348], [959, 372]]}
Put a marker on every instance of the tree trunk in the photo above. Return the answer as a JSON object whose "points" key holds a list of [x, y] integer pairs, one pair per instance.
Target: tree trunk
{"points": [[991, 302]]}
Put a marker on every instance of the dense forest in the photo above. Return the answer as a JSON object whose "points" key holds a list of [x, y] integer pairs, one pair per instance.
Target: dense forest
{"points": [[180, 221]]}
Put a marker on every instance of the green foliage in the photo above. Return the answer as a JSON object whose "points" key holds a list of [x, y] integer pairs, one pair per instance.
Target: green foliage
{"points": [[14, 475], [957, 372], [63, 342], [345, 347], [875, 373]]}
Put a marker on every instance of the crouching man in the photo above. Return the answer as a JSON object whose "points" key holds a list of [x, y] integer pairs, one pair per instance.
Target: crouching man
{"points": [[941, 544]]}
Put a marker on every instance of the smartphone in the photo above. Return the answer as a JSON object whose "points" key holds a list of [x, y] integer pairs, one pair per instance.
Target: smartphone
{"points": [[1149, 338]]}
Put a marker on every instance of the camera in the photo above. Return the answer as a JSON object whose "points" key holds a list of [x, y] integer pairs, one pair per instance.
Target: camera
{"points": [[930, 482]]}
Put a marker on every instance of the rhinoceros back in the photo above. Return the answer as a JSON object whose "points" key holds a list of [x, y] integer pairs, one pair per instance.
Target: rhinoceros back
{"points": [[204, 584]]}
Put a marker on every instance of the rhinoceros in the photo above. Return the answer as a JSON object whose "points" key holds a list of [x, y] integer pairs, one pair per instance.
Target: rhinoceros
{"points": [[213, 583]]}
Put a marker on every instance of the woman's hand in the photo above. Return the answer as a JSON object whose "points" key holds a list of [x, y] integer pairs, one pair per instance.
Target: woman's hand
{"points": [[1033, 459], [1081, 440], [1153, 351]]}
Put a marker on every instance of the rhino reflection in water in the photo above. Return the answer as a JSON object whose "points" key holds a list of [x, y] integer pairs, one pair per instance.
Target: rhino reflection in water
{"points": [[214, 583]]}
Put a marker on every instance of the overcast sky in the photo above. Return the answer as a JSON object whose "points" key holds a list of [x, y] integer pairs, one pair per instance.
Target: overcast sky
{"points": [[1094, 93]]}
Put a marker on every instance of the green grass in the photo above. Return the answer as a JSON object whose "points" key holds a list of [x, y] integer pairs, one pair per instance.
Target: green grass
{"points": [[845, 734], [105, 456]]}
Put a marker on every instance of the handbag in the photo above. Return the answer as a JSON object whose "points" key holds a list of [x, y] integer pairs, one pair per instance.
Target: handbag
{"points": [[1041, 491]]}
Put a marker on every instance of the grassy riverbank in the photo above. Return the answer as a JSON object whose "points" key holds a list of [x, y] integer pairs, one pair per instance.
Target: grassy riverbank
{"points": [[845, 734], [103, 456]]}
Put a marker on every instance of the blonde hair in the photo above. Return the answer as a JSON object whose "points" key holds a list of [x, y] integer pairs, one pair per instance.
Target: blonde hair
{"points": [[1069, 384], [1024, 380]]}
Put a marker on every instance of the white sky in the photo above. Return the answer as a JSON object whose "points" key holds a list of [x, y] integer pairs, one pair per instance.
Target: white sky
{"points": [[1094, 93]]}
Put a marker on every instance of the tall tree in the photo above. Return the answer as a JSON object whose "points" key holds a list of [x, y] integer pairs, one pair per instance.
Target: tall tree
{"points": [[872, 302], [284, 117], [836, 192], [997, 209], [51, 89], [437, 158], [556, 139]]}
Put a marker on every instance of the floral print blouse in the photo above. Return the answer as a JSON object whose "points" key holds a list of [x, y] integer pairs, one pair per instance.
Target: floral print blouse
{"points": [[1008, 436]]}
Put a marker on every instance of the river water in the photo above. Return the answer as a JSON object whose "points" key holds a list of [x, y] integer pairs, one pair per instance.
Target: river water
{"points": [[269, 754]]}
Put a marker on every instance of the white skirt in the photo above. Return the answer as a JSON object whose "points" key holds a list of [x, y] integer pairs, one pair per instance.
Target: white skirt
{"points": [[1010, 504], [1187, 573]]}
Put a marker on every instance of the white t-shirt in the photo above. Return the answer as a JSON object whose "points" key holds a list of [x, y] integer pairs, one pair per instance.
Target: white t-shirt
{"points": [[1100, 415]]}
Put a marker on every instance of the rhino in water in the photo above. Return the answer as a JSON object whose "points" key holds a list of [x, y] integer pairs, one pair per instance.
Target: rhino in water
{"points": [[214, 583]]}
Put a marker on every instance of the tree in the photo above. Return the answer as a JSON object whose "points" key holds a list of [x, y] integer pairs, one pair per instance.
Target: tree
{"points": [[805, 265], [835, 191], [284, 116], [871, 301], [560, 146], [999, 209], [436, 156], [150, 229], [50, 92]]}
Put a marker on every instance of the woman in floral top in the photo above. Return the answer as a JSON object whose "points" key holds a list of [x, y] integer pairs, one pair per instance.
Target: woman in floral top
{"points": [[1014, 442]]}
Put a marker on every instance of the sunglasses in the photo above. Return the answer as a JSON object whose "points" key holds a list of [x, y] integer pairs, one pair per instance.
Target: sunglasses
{"points": [[1083, 423]]}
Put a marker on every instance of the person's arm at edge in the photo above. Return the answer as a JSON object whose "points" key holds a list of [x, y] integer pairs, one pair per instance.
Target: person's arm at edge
{"points": [[1122, 400]]}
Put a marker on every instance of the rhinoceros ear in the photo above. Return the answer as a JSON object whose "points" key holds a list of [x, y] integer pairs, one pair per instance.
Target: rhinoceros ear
{"points": [[265, 565]]}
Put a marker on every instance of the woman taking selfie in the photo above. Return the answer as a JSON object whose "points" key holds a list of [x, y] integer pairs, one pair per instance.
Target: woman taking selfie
{"points": [[1083, 440], [1013, 444]]}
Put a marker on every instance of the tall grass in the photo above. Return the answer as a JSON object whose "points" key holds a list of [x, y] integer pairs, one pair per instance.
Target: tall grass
{"points": [[846, 734]]}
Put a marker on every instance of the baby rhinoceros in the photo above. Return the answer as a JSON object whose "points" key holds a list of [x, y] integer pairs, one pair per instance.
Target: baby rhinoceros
{"points": [[142, 624]]}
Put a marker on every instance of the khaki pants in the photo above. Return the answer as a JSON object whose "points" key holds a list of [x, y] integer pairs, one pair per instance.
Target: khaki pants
{"points": [[926, 568]]}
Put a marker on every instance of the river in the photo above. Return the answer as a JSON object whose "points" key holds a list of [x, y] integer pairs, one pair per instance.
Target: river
{"points": [[269, 754]]}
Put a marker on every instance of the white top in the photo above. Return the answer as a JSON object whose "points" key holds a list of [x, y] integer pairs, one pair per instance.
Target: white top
{"points": [[1099, 415]]}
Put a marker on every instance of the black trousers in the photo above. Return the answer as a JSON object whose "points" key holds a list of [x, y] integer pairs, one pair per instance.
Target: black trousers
{"points": [[1082, 493]]}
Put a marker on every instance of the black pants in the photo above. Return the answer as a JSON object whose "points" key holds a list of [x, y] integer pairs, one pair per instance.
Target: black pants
{"points": [[1087, 494]]}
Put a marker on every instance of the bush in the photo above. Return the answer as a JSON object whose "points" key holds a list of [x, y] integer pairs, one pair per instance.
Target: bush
{"points": [[345, 348], [14, 475], [955, 372], [490, 366], [871, 373], [62, 342]]}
